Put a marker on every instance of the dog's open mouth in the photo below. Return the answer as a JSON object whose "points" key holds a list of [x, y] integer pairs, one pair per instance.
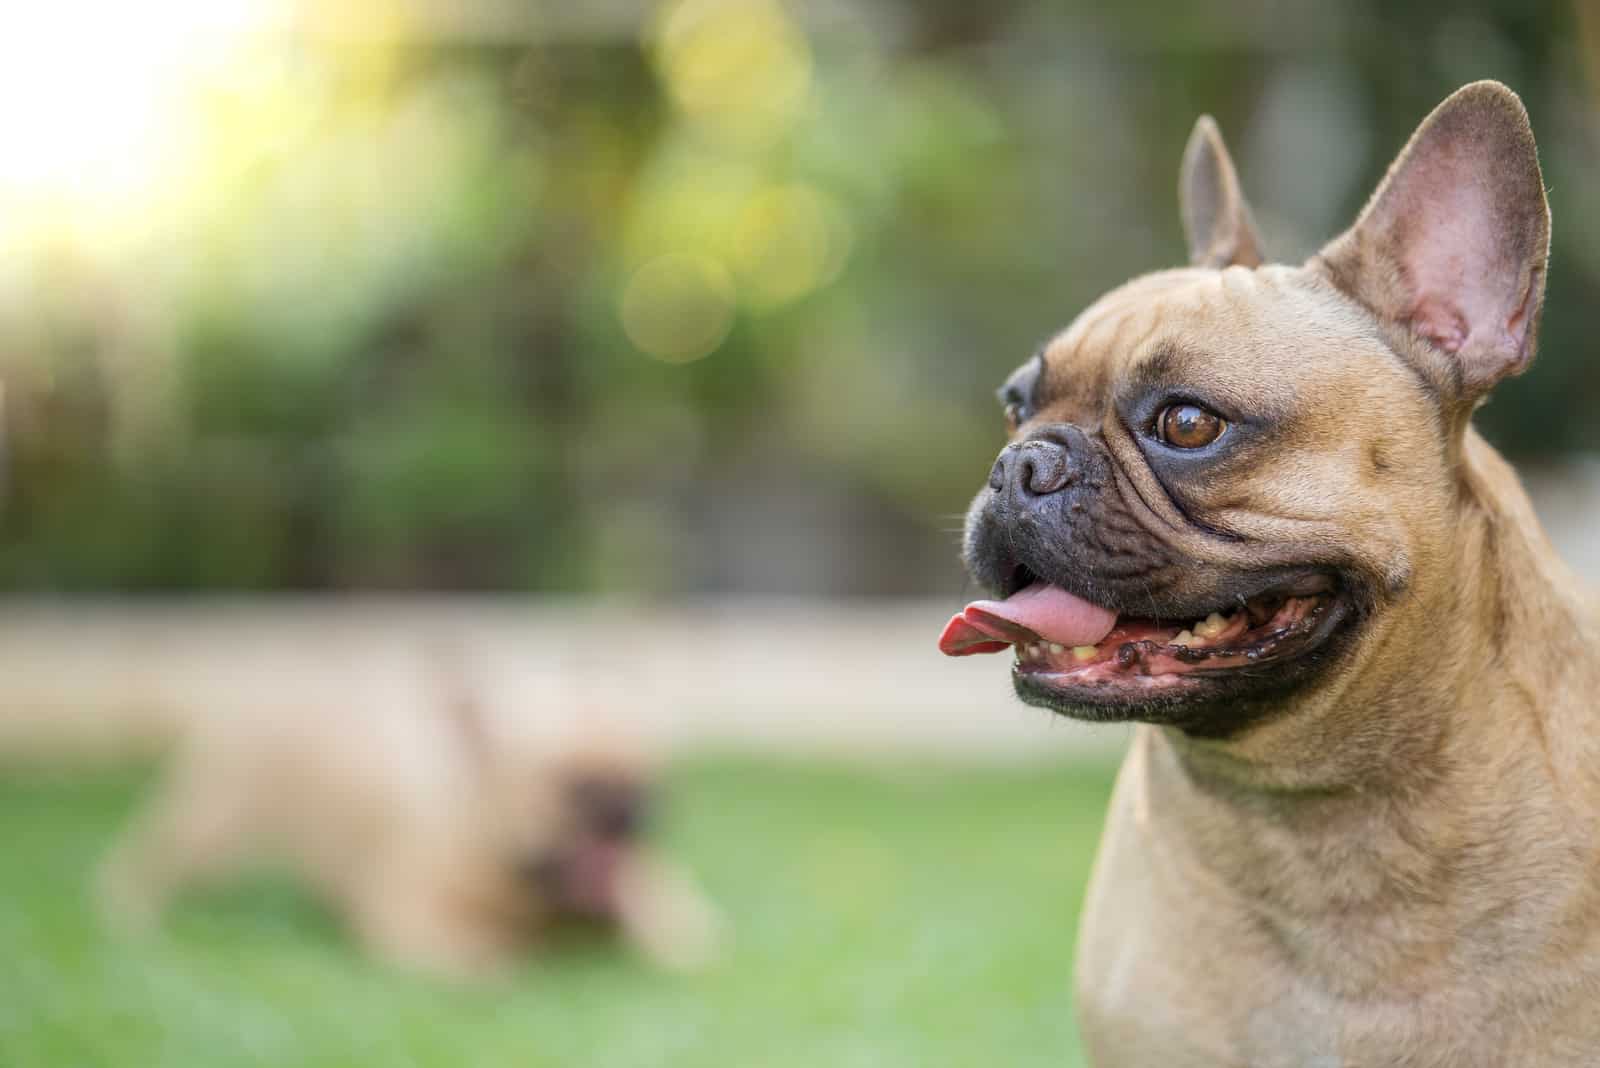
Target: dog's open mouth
{"points": [[1062, 640]]}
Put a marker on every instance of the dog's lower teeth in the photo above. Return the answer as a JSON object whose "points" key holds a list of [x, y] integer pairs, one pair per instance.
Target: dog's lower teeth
{"points": [[1201, 640]]}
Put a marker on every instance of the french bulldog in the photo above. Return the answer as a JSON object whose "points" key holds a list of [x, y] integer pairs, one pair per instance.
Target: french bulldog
{"points": [[449, 841], [1244, 506]]}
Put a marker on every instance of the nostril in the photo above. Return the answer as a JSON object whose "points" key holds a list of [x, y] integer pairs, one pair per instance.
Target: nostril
{"points": [[1043, 468], [1002, 463]]}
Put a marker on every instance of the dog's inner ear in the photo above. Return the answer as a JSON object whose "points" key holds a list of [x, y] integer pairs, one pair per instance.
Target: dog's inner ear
{"points": [[1216, 218], [1454, 242]]}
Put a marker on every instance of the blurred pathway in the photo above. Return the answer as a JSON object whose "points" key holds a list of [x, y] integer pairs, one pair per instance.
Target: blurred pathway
{"points": [[801, 676], [778, 675]]}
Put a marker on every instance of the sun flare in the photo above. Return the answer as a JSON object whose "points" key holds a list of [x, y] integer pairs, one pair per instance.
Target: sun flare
{"points": [[96, 98]]}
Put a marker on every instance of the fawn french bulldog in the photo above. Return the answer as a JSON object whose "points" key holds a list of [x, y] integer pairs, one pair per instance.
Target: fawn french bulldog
{"points": [[447, 839], [1244, 505]]}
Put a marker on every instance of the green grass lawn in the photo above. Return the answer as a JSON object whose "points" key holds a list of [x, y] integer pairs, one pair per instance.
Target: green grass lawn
{"points": [[882, 917]]}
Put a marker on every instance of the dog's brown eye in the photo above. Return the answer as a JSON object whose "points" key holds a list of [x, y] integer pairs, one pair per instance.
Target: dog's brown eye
{"points": [[1189, 426]]}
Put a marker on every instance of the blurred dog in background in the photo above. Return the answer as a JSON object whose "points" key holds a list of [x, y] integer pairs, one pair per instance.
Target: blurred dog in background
{"points": [[448, 840]]}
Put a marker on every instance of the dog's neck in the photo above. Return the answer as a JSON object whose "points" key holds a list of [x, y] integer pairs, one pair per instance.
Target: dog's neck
{"points": [[1373, 796]]}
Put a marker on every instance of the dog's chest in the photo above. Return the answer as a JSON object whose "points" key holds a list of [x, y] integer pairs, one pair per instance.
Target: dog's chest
{"points": [[1171, 972], [1160, 982]]}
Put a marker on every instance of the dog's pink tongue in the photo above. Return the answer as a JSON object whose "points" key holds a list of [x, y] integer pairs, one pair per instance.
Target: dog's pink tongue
{"points": [[1038, 612]]}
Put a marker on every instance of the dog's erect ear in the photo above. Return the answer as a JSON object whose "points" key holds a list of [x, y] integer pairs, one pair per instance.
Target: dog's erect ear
{"points": [[459, 703], [1216, 219], [1454, 242]]}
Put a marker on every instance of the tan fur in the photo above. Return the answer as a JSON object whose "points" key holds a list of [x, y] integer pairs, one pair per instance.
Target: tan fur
{"points": [[1402, 866], [408, 824]]}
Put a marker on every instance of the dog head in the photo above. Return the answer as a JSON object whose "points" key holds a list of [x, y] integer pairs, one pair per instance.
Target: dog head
{"points": [[589, 810], [1222, 480], [553, 813]]}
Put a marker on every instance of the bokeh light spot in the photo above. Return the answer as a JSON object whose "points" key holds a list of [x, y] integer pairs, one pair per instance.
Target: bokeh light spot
{"points": [[789, 241], [678, 307], [742, 68]]}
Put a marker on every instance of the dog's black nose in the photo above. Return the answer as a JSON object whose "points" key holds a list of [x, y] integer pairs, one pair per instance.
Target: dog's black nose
{"points": [[1034, 468], [611, 809]]}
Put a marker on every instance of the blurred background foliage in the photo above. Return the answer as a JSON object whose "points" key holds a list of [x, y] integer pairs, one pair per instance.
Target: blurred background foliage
{"points": [[709, 295]]}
